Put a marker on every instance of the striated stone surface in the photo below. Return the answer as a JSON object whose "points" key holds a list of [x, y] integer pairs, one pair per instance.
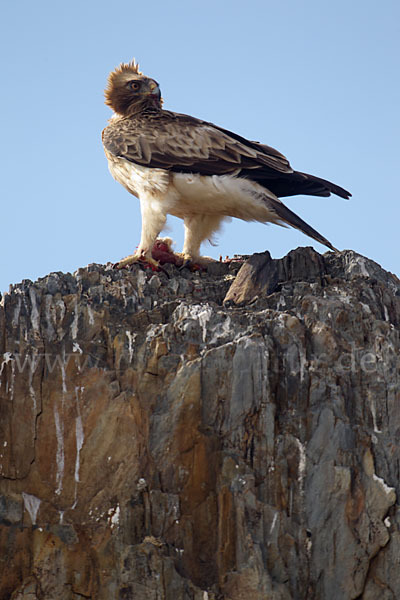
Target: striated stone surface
{"points": [[224, 435]]}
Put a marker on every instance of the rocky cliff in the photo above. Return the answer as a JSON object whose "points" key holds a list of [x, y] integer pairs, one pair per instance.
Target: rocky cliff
{"points": [[230, 434]]}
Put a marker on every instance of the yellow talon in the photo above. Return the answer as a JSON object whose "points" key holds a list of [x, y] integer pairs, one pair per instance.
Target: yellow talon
{"points": [[135, 258]]}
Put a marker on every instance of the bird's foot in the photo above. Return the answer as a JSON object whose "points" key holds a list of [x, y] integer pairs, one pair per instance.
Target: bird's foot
{"points": [[161, 254], [198, 263], [138, 259]]}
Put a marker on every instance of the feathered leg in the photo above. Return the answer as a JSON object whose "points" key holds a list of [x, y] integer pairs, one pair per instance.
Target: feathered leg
{"points": [[197, 229], [153, 221]]}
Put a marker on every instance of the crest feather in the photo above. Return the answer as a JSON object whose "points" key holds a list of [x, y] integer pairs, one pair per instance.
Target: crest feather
{"points": [[116, 75], [132, 66]]}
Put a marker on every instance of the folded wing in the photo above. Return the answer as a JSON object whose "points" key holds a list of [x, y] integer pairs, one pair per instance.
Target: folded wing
{"points": [[184, 144]]}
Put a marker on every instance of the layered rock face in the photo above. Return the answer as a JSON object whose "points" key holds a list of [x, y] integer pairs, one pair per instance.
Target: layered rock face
{"points": [[224, 435]]}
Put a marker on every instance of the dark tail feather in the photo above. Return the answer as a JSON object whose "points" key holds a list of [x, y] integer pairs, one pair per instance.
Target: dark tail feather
{"points": [[292, 184], [287, 216], [323, 185]]}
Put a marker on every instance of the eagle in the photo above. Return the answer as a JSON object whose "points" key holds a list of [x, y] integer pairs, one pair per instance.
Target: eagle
{"points": [[202, 173]]}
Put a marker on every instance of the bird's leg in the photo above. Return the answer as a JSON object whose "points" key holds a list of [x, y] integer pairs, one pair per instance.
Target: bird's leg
{"points": [[153, 221], [197, 229]]}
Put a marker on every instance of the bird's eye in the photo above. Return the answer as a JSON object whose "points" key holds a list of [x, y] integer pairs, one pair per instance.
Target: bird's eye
{"points": [[134, 85]]}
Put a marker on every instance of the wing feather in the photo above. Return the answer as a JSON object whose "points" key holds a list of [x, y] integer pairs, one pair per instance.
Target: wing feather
{"points": [[288, 216], [184, 144], [181, 143]]}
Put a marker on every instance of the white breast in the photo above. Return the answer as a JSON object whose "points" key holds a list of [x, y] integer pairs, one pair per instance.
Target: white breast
{"points": [[136, 179]]}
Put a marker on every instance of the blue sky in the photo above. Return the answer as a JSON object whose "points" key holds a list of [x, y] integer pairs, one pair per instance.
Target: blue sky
{"points": [[318, 80]]}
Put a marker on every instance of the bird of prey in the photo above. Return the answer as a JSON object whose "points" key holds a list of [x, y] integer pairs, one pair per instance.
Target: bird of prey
{"points": [[179, 165]]}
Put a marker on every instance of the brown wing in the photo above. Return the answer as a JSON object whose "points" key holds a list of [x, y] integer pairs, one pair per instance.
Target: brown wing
{"points": [[178, 142], [181, 143]]}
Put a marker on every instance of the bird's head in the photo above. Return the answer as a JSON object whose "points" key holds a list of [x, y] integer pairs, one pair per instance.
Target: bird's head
{"points": [[129, 92]]}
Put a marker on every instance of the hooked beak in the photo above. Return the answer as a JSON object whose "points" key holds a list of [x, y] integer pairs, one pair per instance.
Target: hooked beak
{"points": [[154, 89]]}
